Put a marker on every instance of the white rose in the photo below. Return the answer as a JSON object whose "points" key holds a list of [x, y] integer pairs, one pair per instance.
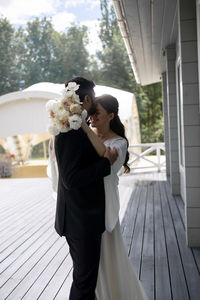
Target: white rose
{"points": [[66, 94], [52, 105], [76, 99], [73, 86], [75, 109], [52, 129], [66, 102], [75, 122], [62, 115]]}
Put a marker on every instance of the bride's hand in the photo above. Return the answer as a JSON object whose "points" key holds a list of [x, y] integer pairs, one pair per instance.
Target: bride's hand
{"points": [[84, 126], [111, 155]]}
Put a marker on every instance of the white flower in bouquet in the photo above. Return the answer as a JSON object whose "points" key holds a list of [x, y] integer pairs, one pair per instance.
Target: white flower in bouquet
{"points": [[75, 109], [69, 97], [62, 115], [75, 122], [52, 107], [72, 86], [66, 113], [53, 129]]}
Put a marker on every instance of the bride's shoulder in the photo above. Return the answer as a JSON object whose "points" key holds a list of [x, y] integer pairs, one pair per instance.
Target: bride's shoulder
{"points": [[119, 141]]}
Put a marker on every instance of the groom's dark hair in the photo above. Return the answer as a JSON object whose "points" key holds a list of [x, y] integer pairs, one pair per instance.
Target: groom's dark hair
{"points": [[86, 87]]}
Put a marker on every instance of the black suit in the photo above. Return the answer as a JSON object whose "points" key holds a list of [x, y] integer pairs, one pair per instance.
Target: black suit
{"points": [[80, 213]]}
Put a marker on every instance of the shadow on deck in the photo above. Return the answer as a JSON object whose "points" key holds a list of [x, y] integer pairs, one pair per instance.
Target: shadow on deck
{"points": [[35, 262]]}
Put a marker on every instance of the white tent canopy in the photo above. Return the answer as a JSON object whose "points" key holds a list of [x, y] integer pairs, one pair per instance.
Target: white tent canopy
{"points": [[24, 112], [24, 120]]}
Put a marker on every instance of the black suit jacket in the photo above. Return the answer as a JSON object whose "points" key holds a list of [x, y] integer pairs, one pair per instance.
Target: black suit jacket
{"points": [[81, 199]]}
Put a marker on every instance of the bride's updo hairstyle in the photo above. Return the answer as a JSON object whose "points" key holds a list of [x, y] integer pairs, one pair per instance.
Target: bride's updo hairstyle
{"points": [[111, 105]]}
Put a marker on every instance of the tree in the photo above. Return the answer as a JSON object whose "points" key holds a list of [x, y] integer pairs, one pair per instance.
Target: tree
{"points": [[115, 65], [6, 56], [39, 51], [19, 59], [70, 57], [153, 113]]}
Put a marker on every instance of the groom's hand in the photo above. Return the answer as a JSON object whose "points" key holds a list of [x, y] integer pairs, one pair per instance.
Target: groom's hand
{"points": [[111, 155]]}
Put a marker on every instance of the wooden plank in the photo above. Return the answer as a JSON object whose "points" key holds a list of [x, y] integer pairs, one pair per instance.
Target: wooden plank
{"points": [[130, 218], [162, 277], [9, 238], [29, 255], [26, 266], [127, 214], [18, 247], [178, 281], [18, 203], [190, 270], [196, 253], [17, 213], [44, 280], [57, 286], [147, 268], [26, 205], [64, 291], [14, 253], [181, 207], [26, 280], [125, 197], [136, 245]]}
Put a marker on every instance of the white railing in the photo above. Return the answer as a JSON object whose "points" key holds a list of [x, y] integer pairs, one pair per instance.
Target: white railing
{"points": [[137, 156]]}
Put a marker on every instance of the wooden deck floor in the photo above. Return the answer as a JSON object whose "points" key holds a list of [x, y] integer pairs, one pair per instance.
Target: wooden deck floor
{"points": [[35, 261]]}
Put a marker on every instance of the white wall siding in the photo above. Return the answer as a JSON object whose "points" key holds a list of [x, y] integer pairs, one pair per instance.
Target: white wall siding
{"points": [[192, 176], [191, 118], [190, 72], [189, 51], [192, 155], [192, 135], [193, 236], [191, 93], [191, 114], [193, 193]]}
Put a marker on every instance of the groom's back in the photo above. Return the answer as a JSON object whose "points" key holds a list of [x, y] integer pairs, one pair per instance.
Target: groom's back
{"points": [[81, 199]]}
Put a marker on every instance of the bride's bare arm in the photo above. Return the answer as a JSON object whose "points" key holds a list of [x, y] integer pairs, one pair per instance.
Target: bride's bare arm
{"points": [[96, 142]]}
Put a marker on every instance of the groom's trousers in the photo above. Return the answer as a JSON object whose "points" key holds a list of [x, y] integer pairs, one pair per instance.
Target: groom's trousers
{"points": [[85, 253]]}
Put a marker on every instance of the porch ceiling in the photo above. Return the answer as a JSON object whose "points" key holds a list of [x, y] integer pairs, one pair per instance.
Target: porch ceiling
{"points": [[147, 27]]}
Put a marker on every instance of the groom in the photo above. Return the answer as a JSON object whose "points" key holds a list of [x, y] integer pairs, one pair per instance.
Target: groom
{"points": [[80, 212]]}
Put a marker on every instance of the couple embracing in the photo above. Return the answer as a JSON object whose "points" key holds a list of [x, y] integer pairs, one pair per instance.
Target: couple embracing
{"points": [[88, 161]]}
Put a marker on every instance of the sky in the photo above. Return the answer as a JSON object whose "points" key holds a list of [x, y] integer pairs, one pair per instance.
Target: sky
{"points": [[62, 13]]}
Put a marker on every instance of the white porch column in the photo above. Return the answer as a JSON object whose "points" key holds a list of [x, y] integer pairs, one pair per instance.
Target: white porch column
{"points": [[191, 116], [165, 115], [172, 120]]}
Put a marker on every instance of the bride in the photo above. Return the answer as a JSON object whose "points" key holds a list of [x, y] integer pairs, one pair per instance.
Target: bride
{"points": [[116, 277]]}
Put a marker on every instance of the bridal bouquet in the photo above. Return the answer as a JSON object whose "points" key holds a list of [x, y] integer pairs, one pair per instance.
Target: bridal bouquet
{"points": [[66, 113]]}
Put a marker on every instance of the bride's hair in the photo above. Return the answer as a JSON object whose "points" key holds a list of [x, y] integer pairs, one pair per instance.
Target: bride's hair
{"points": [[111, 105]]}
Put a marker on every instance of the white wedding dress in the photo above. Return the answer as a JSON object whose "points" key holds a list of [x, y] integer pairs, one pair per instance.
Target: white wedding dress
{"points": [[116, 278]]}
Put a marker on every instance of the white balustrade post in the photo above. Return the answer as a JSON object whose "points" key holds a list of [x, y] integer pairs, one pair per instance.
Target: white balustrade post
{"points": [[158, 157]]}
